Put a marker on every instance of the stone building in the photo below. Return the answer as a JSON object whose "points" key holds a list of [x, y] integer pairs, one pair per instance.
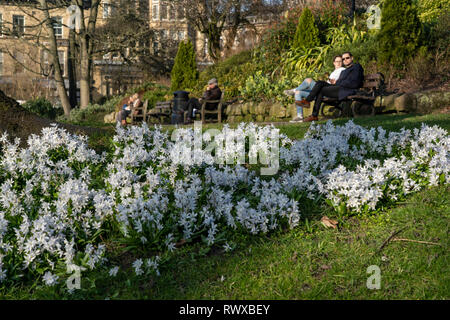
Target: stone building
{"points": [[25, 70]]}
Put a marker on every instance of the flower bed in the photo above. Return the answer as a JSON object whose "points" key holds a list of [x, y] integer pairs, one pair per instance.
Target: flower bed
{"points": [[61, 203]]}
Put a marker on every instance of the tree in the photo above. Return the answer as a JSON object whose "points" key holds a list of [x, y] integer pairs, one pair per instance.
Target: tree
{"points": [[213, 17], [184, 72], [127, 35], [307, 33], [401, 32], [40, 35]]}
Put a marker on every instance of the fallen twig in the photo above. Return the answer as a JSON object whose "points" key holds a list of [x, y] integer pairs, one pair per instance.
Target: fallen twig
{"points": [[417, 241], [393, 234]]}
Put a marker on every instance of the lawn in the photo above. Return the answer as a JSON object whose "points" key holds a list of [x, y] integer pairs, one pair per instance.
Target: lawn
{"points": [[408, 242]]}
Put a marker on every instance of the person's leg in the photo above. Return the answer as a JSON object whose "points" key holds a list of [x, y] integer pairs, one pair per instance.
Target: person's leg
{"points": [[192, 104], [305, 103], [306, 84], [316, 90], [121, 117], [300, 95], [327, 91]]}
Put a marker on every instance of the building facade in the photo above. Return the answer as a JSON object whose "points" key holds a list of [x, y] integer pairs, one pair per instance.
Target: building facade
{"points": [[26, 70]]}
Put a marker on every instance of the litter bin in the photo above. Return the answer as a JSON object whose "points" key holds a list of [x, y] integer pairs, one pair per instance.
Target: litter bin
{"points": [[180, 101]]}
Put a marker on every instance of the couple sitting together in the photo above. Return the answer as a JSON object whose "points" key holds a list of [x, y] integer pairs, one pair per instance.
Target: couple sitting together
{"points": [[344, 81], [132, 103]]}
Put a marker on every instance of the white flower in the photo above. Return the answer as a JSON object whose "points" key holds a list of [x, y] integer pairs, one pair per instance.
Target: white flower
{"points": [[113, 271], [137, 267], [50, 279]]}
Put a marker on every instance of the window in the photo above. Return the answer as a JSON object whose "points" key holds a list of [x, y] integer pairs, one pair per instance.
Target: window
{"points": [[1, 63], [18, 25], [18, 62], [45, 64], [62, 62], [1, 24], [47, 68], [164, 34], [180, 13], [155, 10], [108, 10], [57, 27], [181, 35], [171, 13], [163, 12]]}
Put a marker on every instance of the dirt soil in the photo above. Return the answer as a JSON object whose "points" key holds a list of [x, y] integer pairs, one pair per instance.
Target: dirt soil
{"points": [[20, 123]]}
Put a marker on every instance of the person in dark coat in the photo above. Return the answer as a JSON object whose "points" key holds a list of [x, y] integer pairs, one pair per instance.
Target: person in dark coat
{"points": [[212, 92], [350, 80]]}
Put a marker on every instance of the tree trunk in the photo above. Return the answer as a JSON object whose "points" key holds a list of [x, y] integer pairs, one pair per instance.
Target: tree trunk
{"points": [[72, 69], [85, 81], [53, 50], [214, 42]]}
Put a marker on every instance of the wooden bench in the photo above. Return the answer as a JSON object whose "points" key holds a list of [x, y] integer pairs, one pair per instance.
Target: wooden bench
{"points": [[361, 103], [204, 112], [162, 109], [139, 113]]}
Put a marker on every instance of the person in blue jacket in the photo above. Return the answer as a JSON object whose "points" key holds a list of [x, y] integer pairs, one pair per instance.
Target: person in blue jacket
{"points": [[350, 80]]}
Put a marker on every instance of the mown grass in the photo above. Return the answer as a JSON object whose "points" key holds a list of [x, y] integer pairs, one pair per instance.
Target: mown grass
{"points": [[309, 262]]}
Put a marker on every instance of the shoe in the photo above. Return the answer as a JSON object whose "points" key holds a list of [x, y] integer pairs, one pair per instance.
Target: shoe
{"points": [[303, 103], [311, 118], [297, 119]]}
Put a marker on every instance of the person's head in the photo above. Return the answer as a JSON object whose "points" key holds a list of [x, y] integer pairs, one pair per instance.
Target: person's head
{"points": [[212, 83], [337, 61], [347, 59], [135, 96]]}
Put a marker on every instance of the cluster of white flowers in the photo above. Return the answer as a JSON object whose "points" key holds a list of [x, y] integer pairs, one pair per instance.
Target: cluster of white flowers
{"points": [[57, 196]]}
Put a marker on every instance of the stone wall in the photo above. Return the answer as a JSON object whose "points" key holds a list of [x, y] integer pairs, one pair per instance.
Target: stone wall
{"points": [[420, 102], [260, 112]]}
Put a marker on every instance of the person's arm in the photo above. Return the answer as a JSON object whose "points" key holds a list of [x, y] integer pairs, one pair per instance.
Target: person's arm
{"points": [[353, 79], [213, 94]]}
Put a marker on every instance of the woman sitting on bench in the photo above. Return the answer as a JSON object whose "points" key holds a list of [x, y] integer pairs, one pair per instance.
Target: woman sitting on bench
{"points": [[132, 103]]}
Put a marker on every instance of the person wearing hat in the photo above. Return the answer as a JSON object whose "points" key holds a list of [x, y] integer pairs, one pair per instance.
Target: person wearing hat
{"points": [[212, 92]]}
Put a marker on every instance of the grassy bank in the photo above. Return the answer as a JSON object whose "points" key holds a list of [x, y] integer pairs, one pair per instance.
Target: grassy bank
{"points": [[309, 262]]}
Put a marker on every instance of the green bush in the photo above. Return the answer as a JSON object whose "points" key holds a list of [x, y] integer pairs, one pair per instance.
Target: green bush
{"points": [[184, 73], [260, 87], [231, 74], [155, 94], [400, 34], [93, 112], [43, 108], [440, 33], [276, 40], [307, 33], [430, 10], [330, 14]]}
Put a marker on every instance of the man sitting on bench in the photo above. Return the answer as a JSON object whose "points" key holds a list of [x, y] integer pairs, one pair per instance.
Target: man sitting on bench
{"points": [[348, 83], [212, 92]]}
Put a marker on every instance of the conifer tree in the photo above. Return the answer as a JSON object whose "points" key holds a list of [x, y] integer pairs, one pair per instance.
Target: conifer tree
{"points": [[184, 72], [401, 32], [307, 33]]}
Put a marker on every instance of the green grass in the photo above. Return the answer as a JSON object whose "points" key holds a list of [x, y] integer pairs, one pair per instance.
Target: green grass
{"points": [[309, 262]]}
